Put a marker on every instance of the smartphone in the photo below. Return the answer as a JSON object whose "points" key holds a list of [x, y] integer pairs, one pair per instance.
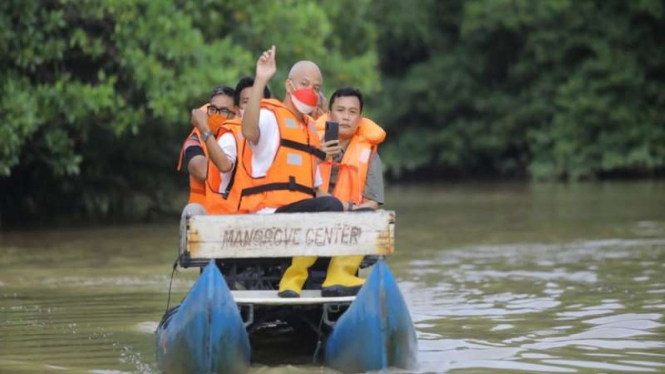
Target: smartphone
{"points": [[332, 131]]}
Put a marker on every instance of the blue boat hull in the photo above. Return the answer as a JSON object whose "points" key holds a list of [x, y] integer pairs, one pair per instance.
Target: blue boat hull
{"points": [[376, 332], [206, 334]]}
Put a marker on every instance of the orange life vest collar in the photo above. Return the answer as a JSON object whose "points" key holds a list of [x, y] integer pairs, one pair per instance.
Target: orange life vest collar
{"points": [[367, 129], [352, 170]]}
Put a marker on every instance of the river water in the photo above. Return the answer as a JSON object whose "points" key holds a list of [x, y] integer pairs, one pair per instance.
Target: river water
{"points": [[499, 278]]}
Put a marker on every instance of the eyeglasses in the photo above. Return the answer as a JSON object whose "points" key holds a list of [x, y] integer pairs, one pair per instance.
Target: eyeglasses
{"points": [[226, 112]]}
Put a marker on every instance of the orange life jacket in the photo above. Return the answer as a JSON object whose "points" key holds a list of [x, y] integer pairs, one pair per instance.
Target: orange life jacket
{"points": [[226, 202], [291, 176], [352, 170], [197, 190]]}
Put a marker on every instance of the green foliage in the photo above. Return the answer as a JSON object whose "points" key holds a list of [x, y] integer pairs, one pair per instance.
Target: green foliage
{"points": [[300, 30], [95, 95], [552, 89]]}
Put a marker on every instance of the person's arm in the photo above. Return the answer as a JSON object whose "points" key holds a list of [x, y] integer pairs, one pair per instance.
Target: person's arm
{"points": [[318, 181], [193, 158], [217, 156], [215, 152], [265, 69], [197, 167], [373, 192]]}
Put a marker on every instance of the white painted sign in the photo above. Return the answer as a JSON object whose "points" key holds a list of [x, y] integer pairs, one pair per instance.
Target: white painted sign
{"points": [[292, 234]]}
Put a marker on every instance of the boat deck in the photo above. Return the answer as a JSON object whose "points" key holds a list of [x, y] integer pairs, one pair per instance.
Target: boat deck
{"points": [[307, 297]]}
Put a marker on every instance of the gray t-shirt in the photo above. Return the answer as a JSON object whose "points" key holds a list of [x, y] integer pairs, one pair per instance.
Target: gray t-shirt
{"points": [[373, 187]]}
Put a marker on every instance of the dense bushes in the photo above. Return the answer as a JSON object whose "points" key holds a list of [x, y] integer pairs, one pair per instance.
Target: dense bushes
{"points": [[94, 96]]}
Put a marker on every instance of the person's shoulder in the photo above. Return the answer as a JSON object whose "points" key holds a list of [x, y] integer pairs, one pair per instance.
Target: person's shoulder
{"points": [[375, 162], [267, 112], [192, 141], [267, 118]]}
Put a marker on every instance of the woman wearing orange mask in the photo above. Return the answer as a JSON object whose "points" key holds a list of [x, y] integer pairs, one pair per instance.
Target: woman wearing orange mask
{"points": [[201, 145], [206, 121]]}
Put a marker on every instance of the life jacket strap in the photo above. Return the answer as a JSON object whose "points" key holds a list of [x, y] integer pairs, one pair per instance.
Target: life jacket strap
{"points": [[291, 185], [303, 148]]}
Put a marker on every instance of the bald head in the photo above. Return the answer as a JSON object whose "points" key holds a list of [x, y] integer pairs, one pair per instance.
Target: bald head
{"points": [[304, 67], [304, 74]]}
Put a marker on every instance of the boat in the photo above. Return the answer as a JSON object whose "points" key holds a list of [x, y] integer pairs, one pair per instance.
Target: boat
{"points": [[205, 333], [376, 332], [211, 330]]}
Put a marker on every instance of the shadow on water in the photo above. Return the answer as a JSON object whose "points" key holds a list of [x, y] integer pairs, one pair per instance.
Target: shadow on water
{"points": [[499, 278], [283, 346]]}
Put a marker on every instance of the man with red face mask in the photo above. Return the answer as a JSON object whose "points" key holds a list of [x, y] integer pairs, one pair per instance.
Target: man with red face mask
{"points": [[283, 142], [285, 155]]}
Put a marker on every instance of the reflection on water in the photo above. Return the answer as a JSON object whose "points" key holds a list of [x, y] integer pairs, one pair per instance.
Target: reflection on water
{"points": [[499, 279], [478, 307]]}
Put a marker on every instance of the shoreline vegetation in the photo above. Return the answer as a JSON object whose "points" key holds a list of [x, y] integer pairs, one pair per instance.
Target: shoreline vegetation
{"points": [[95, 96]]}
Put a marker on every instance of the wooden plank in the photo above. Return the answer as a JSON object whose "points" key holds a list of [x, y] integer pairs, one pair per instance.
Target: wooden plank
{"points": [[307, 297], [288, 235]]}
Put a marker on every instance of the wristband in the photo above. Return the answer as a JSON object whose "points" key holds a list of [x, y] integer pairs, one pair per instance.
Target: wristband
{"points": [[349, 207], [206, 135]]}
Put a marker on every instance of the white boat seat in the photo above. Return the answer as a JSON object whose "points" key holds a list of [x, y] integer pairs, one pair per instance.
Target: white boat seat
{"points": [[307, 297]]}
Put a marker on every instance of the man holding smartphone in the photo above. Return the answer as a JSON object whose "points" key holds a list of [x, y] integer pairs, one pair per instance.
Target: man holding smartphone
{"points": [[352, 169], [351, 173]]}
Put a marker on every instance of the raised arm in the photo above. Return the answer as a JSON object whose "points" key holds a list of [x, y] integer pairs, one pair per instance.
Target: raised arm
{"points": [[265, 69], [215, 152]]}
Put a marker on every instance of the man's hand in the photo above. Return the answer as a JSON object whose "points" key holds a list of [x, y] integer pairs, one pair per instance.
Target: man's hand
{"points": [[200, 120], [331, 148], [266, 66], [265, 69]]}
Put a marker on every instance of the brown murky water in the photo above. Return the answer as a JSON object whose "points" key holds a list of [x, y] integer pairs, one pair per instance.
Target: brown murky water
{"points": [[499, 278]]}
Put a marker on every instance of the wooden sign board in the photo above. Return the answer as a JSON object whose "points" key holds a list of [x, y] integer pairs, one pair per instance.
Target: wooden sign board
{"points": [[292, 234]]}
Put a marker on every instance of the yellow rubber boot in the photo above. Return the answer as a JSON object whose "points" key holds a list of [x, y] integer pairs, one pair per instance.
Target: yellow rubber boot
{"points": [[295, 276], [341, 279]]}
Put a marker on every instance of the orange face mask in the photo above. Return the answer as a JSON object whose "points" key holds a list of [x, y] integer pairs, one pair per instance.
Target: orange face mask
{"points": [[215, 121]]}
